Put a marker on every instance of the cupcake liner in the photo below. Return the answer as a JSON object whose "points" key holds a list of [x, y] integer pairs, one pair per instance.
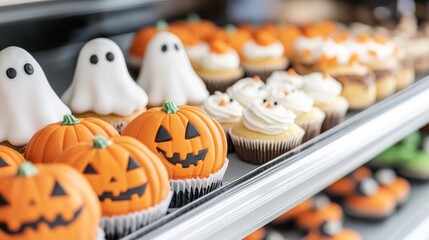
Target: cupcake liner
{"points": [[366, 216], [333, 118], [258, 152], [100, 234], [229, 141], [220, 83], [187, 190], [311, 128], [119, 226]]}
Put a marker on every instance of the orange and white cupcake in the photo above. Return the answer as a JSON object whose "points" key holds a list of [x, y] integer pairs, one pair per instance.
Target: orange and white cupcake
{"points": [[220, 67], [248, 90], [236, 38], [359, 87], [378, 54], [307, 50], [325, 91], [263, 54]]}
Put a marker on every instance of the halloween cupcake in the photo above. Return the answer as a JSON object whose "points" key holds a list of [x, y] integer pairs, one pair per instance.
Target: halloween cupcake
{"points": [[48, 202], [49, 142], [219, 68], [322, 210], [130, 181], [102, 86], [190, 143], [226, 111], [27, 101], [167, 74], [308, 117], [236, 38], [285, 77], [326, 92], [398, 186], [332, 230], [377, 54], [9, 161], [358, 82], [247, 90], [347, 185], [369, 201], [307, 49], [266, 131], [262, 55]]}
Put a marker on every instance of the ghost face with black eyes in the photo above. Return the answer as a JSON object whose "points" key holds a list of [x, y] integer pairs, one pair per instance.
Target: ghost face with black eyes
{"points": [[166, 73], [27, 101], [102, 86]]}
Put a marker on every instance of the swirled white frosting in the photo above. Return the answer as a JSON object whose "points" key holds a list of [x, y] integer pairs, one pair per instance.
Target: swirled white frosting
{"points": [[323, 90], [363, 49], [268, 120], [103, 86], [252, 50], [247, 90], [283, 77], [306, 43], [223, 108], [197, 51], [291, 98], [215, 61], [340, 51]]}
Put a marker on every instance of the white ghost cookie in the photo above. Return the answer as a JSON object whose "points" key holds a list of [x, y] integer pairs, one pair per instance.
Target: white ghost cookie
{"points": [[27, 101], [167, 74], [102, 86]]}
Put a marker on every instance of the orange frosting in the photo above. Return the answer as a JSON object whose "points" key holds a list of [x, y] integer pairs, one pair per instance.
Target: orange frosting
{"points": [[271, 28], [185, 35], [326, 27], [341, 37], [291, 72], [256, 235], [363, 38], [219, 47], [222, 102], [325, 62], [372, 53], [264, 38], [380, 39], [354, 58], [202, 29], [233, 36], [287, 35], [256, 78]]}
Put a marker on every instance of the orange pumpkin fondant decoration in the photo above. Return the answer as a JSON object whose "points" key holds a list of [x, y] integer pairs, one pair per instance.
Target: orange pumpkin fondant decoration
{"points": [[287, 36], [49, 142], [326, 62], [189, 142], [199, 27], [47, 202], [233, 36], [125, 175], [9, 160]]}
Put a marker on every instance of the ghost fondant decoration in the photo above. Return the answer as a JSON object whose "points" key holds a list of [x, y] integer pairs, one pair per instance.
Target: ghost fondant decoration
{"points": [[27, 101], [101, 82], [167, 74]]}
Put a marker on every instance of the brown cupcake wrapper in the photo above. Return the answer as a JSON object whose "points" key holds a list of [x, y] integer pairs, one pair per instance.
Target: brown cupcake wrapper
{"points": [[220, 84], [188, 190], [333, 118], [366, 216], [258, 152], [119, 226], [312, 129]]}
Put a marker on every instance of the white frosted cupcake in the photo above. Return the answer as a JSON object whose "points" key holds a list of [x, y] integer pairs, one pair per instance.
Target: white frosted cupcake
{"points": [[225, 110], [307, 50], [220, 67], [247, 90], [308, 117], [285, 77], [266, 131], [326, 91]]}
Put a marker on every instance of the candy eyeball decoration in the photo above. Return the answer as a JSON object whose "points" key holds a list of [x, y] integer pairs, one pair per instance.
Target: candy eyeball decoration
{"points": [[367, 187], [27, 101], [167, 74], [102, 84]]}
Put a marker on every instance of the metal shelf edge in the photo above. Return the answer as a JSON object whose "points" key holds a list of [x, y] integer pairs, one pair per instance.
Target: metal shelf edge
{"points": [[253, 203]]}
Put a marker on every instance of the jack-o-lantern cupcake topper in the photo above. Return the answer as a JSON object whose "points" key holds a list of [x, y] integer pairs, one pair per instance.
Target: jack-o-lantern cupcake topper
{"points": [[190, 143], [9, 160], [47, 202]]}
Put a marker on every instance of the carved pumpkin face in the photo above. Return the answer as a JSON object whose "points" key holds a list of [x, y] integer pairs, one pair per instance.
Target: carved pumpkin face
{"points": [[124, 174], [47, 202], [9, 160], [189, 142]]}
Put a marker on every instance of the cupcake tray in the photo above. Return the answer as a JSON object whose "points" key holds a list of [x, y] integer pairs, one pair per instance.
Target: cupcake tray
{"points": [[252, 195]]}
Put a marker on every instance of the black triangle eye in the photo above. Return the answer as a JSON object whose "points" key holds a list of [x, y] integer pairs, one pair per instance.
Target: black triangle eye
{"points": [[132, 164], [89, 169], [191, 131], [58, 190], [3, 163], [162, 135], [3, 201]]}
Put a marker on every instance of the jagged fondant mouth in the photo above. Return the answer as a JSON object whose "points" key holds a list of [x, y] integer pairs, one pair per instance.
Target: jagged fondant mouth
{"points": [[57, 222], [139, 190], [190, 159]]}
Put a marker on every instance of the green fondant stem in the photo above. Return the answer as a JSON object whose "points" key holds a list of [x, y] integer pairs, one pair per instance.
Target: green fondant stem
{"points": [[69, 120], [193, 17], [229, 28], [100, 142], [169, 107], [161, 25], [26, 169]]}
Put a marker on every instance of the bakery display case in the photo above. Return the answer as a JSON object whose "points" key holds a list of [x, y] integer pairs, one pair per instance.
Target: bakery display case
{"points": [[251, 196]]}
